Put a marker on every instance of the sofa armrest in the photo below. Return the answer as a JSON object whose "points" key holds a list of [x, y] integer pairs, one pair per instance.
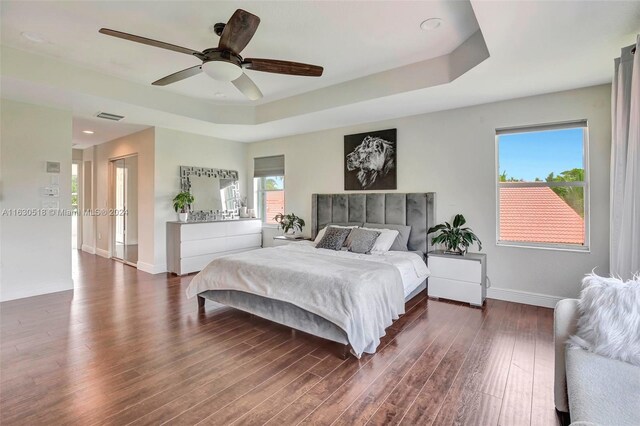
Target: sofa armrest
{"points": [[564, 325]]}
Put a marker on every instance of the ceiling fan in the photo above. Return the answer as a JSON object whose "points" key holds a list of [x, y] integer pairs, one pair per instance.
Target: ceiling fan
{"points": [[224, 63]]}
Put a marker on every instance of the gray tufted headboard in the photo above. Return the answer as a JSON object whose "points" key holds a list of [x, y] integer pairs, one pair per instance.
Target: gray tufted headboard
{"points": [[414, 209]]}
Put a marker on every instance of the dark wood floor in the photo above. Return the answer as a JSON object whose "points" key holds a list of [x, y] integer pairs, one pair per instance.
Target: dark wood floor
{"points": [[128, 348]]}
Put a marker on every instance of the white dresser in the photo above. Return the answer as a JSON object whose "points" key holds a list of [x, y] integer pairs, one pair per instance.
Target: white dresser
{"points": [[461, 278], [192, 245]]}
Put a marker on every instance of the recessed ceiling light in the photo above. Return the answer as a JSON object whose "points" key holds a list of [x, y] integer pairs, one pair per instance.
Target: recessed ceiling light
{"points": [[219, 95], [34, 37], [88, 132], [431, 24]]}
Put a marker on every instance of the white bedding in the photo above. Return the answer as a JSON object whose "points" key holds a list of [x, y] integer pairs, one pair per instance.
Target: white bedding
{"points": [[361, 294], [413, 269]]}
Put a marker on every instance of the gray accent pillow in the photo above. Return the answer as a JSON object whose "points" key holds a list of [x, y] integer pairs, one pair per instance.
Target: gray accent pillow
{"points": [[340, 224], [400, 244], [333, 238], [362, 240]]}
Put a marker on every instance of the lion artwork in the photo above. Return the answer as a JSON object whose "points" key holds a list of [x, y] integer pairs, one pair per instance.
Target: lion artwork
{"points": [[374, 159]]}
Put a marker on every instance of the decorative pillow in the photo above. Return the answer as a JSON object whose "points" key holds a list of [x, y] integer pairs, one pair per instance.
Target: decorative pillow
{"points": [[362, 240], [609, 323], [321, 232], [385, 239], [401, 241], [333, 238]]}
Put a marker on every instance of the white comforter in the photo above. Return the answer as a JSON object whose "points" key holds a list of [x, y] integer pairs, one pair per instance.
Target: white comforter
{"points": [[361, 294]]}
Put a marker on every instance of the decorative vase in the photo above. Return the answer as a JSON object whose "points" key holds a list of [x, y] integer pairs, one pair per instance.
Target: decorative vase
{"points": [[183, 216], [243, 212], [252, 213]]}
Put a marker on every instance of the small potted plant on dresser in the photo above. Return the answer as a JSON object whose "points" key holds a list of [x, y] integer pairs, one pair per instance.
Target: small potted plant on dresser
{"points": [[455, 273], [182, 203]]}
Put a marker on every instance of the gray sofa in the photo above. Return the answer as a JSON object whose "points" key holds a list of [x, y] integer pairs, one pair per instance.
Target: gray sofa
{"points": [[591, 389]]}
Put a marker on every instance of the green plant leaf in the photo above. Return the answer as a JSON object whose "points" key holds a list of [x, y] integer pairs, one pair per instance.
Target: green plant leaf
{"points": [[458, 221], [436, 229]]}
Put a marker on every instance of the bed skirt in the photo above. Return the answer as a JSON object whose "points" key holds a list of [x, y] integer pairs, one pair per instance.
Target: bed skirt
{"points": [[286, 313]]}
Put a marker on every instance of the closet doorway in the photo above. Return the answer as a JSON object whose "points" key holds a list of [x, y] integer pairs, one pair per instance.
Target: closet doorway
{"points": [[124, 235]]}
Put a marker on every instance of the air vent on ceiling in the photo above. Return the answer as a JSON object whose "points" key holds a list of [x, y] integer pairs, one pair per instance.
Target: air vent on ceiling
{"points": [[108, 116]]}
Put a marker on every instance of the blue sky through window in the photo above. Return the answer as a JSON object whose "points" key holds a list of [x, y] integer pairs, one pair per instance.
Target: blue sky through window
{"points": [[536, 154]]}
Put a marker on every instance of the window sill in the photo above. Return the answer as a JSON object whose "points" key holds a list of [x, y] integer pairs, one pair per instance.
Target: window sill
{"points": [[559, 247]]}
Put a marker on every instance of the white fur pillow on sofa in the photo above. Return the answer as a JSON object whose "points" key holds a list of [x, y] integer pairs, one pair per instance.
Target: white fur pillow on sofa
{"points": [[609, 323]]}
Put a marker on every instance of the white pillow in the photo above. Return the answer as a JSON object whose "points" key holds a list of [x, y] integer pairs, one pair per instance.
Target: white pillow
{"points": [[322, 231], [385, 239], [609, 322]]}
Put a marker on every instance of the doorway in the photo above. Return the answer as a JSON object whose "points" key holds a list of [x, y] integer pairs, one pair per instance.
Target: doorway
{"points": [[124, 239]]}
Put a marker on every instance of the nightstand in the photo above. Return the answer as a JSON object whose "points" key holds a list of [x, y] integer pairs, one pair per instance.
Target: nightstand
{"points": [[461, 278], [281, 240]]}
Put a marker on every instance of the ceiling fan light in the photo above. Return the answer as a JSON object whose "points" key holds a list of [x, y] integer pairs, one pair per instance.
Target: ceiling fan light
{"points": [[222, 70]]}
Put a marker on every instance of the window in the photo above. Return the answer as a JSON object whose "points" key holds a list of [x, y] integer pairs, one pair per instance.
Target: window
{"points": [[542, 181], [269, 197], [268, 184]]}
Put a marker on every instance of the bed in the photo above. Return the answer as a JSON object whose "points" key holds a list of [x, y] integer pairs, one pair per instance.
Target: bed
{"points": [[340, 296]]}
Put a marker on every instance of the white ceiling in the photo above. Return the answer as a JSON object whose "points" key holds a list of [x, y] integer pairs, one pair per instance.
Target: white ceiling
{"points": [[535, 47], [350, 39], [103, 131]]}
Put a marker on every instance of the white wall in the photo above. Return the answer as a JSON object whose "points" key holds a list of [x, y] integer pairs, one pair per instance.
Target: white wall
{"points": [[131, 164], [142, 144], [35, 251], [453, 154], [173, 149]]}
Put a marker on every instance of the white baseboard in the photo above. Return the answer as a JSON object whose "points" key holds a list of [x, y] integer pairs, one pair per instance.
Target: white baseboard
{"points": [[103, 253], [150, 268], [88, 249], [525, 297]]}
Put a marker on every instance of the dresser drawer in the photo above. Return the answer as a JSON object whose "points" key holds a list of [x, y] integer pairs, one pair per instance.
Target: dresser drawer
{"points": [[200, 247], [455, 269], [198, 263], [202, 231], [244, 227], [240, 242]]}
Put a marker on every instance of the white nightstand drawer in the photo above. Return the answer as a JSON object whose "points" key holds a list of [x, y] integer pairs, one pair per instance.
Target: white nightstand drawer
{"points": [[455, 269], [456, 290]]}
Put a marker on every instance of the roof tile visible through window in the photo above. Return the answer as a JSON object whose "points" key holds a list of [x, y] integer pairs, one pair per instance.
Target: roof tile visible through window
{"points": [[539, 215]]}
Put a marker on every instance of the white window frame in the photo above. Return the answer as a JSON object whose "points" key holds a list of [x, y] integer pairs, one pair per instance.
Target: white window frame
{"points": [[260, 197], [586, 247]]}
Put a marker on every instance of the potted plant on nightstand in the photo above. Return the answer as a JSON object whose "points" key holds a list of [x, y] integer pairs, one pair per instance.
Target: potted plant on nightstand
{"points": [[182, 203], [455, 238], [289, 223]]}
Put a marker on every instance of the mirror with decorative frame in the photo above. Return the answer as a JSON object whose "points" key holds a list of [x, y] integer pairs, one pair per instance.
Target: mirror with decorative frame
{"points": [[216, 192]]}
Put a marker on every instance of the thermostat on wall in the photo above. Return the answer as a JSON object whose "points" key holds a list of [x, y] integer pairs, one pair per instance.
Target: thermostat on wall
{"points": [[53, 167], [50, 191]]}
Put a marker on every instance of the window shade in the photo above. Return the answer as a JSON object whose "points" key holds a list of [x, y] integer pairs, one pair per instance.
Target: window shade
{"points": [[268, 166], [542, 127]]}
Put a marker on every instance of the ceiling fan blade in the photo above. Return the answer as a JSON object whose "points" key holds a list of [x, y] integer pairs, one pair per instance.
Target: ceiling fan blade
{"points": [[238, 31], [247, 87], [282, 67], [177, 76], [149, 41]]}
